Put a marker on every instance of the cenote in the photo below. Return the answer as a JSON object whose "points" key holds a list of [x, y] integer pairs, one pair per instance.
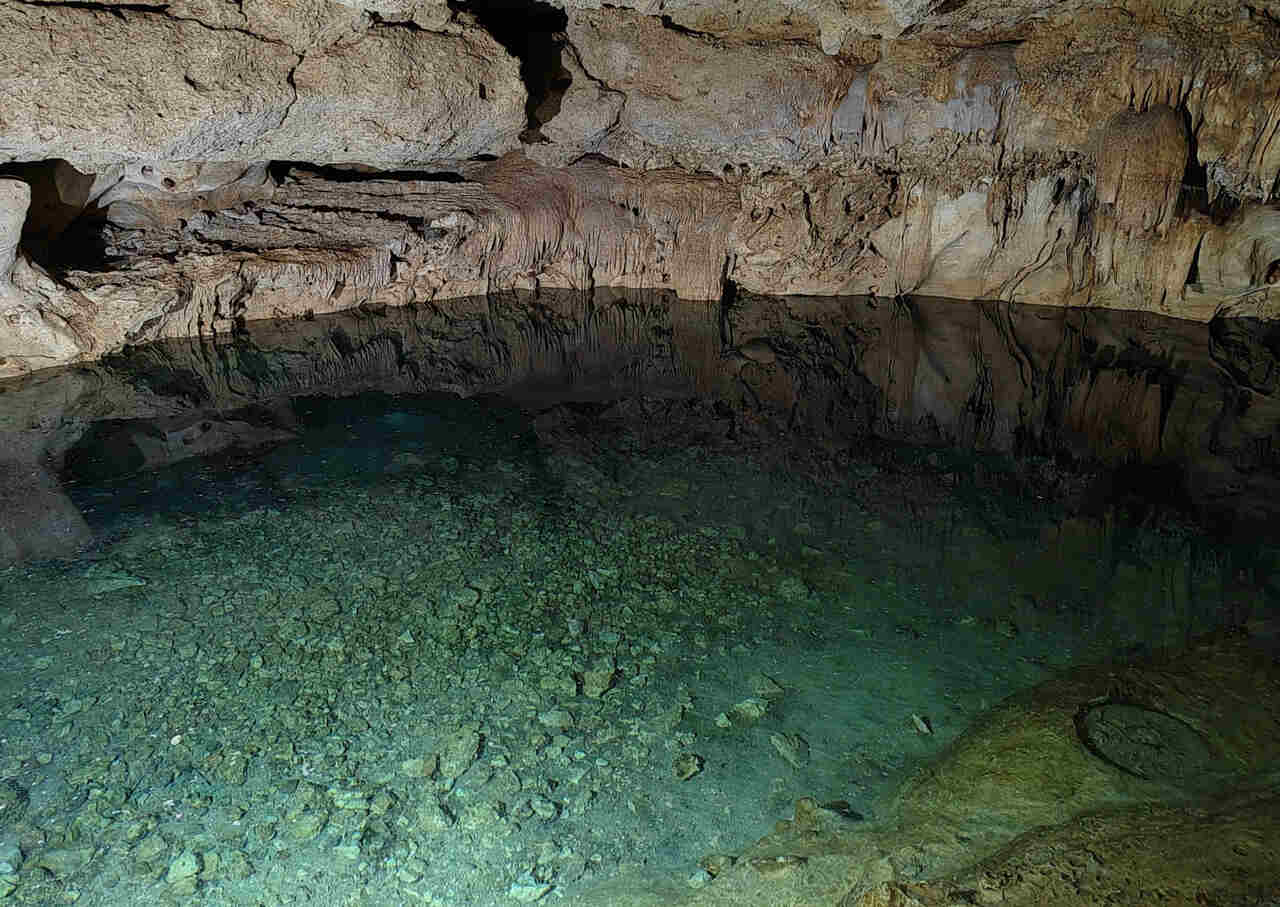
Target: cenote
{"points": [[616, 598]]}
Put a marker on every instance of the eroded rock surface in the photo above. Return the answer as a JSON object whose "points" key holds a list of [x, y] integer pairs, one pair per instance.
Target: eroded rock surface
{"points": [[101, 87], [1059, 154], [1017, 811], [35, 311]]}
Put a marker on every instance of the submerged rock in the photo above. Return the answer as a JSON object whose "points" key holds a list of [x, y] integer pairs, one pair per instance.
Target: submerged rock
{"points": [[37, 520], [1021, 809]]}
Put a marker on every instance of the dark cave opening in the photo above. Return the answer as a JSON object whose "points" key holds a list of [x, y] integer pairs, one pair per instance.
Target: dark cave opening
{"points": [[533, 33], [1195, 195], [1195, 177], [52, 234], [281, 171], [598, 158], [1193, 272]]}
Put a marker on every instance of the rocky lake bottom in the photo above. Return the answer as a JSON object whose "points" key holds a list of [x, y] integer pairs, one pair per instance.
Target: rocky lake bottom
{"points": [[443, 652]]}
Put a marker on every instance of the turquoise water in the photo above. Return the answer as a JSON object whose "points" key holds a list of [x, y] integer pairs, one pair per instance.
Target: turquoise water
{"points": [[423, 648], [416, 656]]}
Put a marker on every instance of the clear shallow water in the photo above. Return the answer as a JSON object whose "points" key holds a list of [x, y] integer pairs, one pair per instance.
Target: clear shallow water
{"points": [[346, 637], [445, 651]]}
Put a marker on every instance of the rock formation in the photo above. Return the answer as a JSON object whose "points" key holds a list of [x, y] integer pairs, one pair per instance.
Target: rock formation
{"points": [[15, 198], [36, 312], [217, 162], [1141, 160], [1018, 811]]}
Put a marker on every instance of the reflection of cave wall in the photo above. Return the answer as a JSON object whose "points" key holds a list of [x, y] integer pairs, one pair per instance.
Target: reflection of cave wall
{"points": [[1164, 398]]}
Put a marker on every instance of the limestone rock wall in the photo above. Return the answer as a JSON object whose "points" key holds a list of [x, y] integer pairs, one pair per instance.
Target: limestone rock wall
{"points": [[99, 87], [218, 162]]}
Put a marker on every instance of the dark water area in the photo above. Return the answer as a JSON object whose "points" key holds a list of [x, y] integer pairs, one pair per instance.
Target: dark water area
{"points": [[509, 597], [1163, 399]]}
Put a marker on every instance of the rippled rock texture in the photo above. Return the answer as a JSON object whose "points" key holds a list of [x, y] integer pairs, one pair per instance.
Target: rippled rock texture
{"points": [[1051, 153]]}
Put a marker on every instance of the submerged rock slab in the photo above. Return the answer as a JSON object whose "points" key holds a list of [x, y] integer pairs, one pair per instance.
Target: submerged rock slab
{"points": [[1019, 811], [1221, 851], [37, 520]]}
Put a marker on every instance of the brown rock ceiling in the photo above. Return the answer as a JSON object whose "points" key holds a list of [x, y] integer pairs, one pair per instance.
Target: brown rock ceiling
{"points": [[1123, 156]]}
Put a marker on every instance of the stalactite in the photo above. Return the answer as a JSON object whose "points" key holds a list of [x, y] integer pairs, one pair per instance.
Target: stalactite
{"points": [[1141, 159], [605, 226], [315, 271]]}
